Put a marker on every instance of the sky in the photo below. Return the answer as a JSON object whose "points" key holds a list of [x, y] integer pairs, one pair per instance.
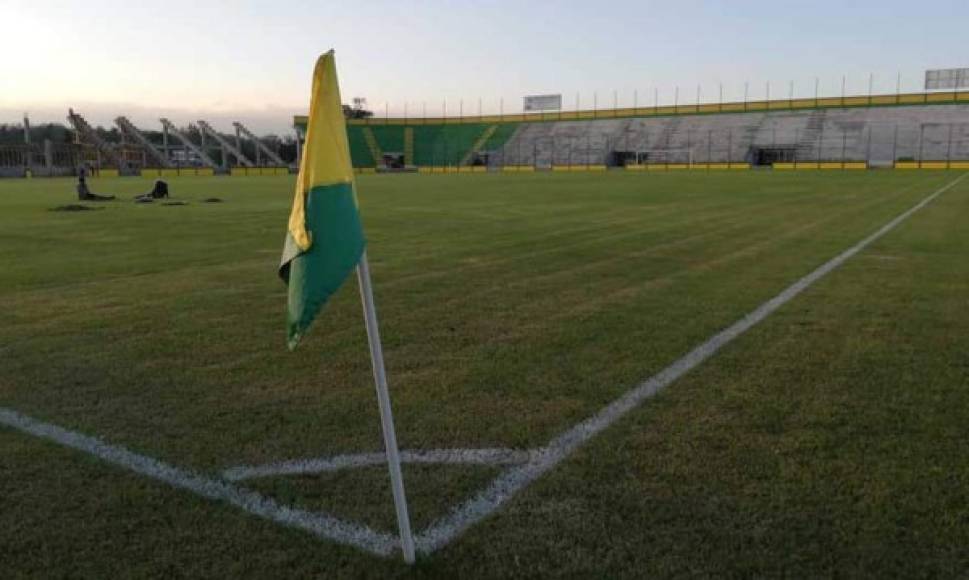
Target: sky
{"points": [[252, 60]]}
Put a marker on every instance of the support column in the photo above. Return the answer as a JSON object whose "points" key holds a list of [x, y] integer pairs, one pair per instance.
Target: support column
{"points": [[48, 155], [238, 143]]}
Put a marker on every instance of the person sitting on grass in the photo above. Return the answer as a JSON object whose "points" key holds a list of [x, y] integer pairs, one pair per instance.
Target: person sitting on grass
{"points": [[84, 194], [159, 191]]}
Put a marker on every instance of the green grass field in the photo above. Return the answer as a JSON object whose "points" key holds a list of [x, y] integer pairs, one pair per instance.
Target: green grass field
{"points": [[831, 439]]}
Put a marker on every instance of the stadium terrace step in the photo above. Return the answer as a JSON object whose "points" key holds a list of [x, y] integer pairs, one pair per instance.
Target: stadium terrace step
{"points": [[408, 146], [371, 141], [478, 144]]}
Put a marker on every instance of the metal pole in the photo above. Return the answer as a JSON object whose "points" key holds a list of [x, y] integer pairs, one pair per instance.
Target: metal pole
{"points": [[790, 97], [844, 79], [898, 88], [746, 88], [948, 151], [28, 150], [689, 146], [817, 88], [868, 149], [895, 146], [820, 142], [871, 82], [844, 146], [386, 413], [921, 135], [720, 99]]}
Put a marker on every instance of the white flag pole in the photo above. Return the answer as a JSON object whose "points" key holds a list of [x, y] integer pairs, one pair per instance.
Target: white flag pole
{"points": [[386, 414]]}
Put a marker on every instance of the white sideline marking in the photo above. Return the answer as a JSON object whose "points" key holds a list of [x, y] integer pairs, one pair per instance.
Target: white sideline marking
{"points": [[338, 462], [515, 479], [319, 524]]}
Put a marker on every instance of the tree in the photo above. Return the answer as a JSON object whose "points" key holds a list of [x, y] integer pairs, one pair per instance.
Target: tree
{"points": [[358, 110]]}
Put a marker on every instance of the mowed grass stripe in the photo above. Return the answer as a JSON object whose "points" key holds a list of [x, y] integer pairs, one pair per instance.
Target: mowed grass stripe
{"points": [[828, 441], [509, 366]]}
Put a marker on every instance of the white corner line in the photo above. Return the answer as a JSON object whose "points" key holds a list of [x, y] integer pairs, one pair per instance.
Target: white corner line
{"points": [[496, 456], [319, 524], [506, 485]]}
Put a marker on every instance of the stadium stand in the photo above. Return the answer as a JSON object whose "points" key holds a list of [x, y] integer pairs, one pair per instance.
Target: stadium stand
{"points": [[880, 130], [879, 135]]}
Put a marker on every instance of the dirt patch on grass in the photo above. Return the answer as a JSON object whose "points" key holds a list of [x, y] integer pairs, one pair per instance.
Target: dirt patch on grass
{"points": [[74, 207]]}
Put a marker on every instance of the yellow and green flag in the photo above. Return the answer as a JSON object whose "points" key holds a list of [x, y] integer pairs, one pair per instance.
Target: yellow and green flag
{"points": [[324, 240]]}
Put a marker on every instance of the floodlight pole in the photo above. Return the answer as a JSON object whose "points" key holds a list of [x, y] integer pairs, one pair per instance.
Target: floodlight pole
{"points": [[386, 413]]}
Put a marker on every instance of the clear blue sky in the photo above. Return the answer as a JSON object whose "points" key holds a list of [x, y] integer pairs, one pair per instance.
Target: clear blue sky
{"points": [[252, 59]]}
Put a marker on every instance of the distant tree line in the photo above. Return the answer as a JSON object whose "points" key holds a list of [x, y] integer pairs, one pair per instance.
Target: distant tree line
{"points": [[13, 134], [358, 110]]}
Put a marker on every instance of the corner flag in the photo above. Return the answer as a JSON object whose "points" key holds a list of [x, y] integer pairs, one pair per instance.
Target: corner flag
{"points": [[324, 243], [324, 240]]}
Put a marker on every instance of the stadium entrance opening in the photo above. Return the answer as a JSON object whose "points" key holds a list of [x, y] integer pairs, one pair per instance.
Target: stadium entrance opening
{"points": [[394, 160], [480, 158], [624, 158], [772, 155]]}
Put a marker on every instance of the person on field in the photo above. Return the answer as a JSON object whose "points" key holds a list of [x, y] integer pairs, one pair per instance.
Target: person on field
{"points": [[84, 193], [158, 191]]}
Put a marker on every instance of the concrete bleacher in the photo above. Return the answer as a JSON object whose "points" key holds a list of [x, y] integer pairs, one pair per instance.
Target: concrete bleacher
{"points": [[876, 134], [437, 145]]}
